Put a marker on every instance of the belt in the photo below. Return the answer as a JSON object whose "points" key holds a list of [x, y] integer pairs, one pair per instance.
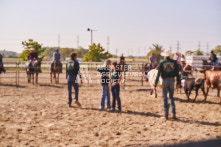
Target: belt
{"points": [[169, 78]]}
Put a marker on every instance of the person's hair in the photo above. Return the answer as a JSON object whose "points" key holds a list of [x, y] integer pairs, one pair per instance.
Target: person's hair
{"points": [[73, 55], [211, 52], [116, 66], [107, 62]]}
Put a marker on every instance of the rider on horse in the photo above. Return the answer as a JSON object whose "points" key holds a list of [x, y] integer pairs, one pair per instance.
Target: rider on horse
{"points": [[1, 64], [32, 56], [213, 58], [186, 69], [57, 57], [152, 61]]}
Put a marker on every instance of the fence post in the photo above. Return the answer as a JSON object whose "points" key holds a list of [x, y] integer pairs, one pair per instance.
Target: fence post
{"points": [[142, 75], [16, 74]]}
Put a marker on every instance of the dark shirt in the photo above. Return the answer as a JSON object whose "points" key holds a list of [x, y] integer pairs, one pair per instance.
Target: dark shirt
{"points": [[168, 68], [71, 76], [0, 58], [213, 58], [115, 76], [32, 55], [56, 56], [105, 75]]}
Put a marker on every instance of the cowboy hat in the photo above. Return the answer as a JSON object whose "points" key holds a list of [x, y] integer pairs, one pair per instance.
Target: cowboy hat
{"points": [[165, 53], [182, 60], [32, 49]]}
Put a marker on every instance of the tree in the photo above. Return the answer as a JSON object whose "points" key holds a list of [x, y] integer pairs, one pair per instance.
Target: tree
{"points": [[198, 53], [189, 53], [96, 53], [217, 50], [31, 44], [156, 50]]}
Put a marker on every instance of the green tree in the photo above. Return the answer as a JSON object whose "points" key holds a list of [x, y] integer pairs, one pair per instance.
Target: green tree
{"points": [[189, 53], [96, 53], [31, 44], [217, 50], [156, 50], [198, 53]]}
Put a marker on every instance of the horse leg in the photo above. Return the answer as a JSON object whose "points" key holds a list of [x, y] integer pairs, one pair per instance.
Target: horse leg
{"points": [[36, 78], [51, 77], [203, 89], [28, 77], [196, 94], [33, 78], [58, 78]]}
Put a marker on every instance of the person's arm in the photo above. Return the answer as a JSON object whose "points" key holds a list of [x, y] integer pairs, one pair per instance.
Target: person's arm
{"points": [[78, 70], [158, 75], [177, 74]]}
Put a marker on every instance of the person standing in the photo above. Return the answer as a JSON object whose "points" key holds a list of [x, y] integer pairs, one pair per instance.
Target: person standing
{"points": [[105, 71], [168, 70], [73, 69], [115, 77], [177, 57], [213, 58], [57, 57]]}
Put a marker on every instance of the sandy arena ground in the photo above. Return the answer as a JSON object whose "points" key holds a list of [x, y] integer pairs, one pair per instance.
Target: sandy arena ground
{"points": [[38, 115]]}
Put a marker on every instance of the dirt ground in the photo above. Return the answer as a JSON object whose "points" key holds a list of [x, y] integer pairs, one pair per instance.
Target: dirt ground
{"points": [[38, 115]]}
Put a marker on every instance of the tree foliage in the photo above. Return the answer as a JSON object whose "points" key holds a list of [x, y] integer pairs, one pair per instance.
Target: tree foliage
{"points": [[156, 50], [96, 53], [196, 53], [31, 44], [217, 50]]}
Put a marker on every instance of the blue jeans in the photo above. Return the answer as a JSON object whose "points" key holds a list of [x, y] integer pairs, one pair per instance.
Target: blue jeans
{"points": [[75, 85], [168, 87], [105, 94], [116, 96]]}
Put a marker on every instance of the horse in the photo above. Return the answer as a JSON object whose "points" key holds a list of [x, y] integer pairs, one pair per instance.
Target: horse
{"points": [[2, 69], [147, 67], [35, 68], [55, 70], [208, 65]]}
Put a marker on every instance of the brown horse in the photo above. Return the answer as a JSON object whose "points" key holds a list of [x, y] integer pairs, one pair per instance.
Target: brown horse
{"points": [[56, 70], [35, 68]]}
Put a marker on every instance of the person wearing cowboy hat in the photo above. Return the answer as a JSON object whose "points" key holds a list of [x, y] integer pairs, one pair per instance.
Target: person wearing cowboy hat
{"points": [[168, 70], [32, 56], [56, 56], [186, 68]]}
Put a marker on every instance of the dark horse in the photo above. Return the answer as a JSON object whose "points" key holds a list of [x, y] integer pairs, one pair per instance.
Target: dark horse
{"points": [[2, 69], [35, 68], [55, 70], [208, 65]]}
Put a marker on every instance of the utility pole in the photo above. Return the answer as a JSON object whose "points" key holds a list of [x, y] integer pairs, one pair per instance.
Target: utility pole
{"points": [[108, 43], [58, 40], [178, 47], [170, 48], [199, 46], [207, 48], [116, 51], [138, 52], [77, 41]]}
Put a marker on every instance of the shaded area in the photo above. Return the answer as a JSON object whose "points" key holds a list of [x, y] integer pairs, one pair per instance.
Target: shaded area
{"points": [[191, 101], [153, 115], [54, 86], [11, 85], [144, 89]]}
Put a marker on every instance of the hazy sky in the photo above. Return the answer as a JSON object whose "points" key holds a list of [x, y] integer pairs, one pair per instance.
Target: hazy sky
{"points": [[130, 24]]}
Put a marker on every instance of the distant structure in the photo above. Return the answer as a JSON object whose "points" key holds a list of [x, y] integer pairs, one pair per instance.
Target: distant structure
{"points": [[77, 41], [178, 47], [58, 40], [207, 47], [199, 46], [108, 43]]}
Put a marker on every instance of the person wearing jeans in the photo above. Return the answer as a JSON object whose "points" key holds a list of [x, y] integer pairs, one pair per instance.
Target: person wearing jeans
{"points": [[115, 86], [168, 87], [168, 70], [105, 95], [73, 69]]}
